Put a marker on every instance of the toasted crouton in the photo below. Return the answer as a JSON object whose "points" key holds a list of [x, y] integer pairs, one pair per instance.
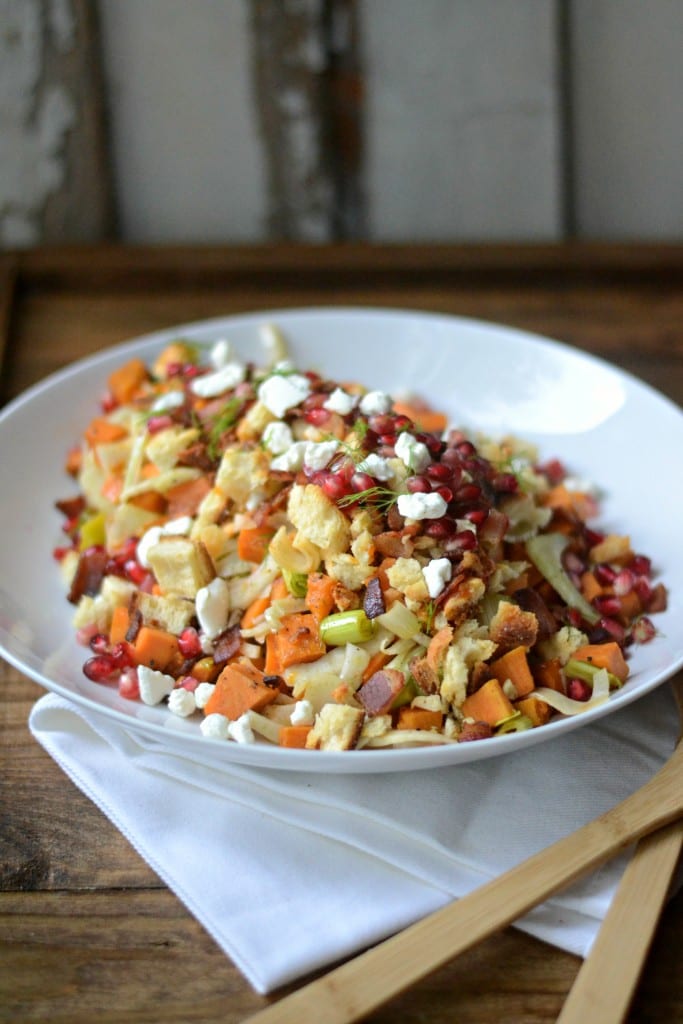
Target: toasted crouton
{"points": [[318, 519], [336, 727], [511, 627], [182, 566], [241, 472], [170, 612]]}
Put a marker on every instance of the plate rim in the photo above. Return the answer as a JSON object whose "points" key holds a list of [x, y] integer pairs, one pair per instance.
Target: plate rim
{"points": [[361, 761]]}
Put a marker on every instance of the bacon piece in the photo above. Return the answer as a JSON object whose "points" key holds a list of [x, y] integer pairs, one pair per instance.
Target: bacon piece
{"points": [[227, 645], [89, 574]]}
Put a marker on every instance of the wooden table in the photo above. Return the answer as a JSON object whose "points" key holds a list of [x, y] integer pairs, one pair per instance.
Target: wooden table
{"points": [[87, 931]]}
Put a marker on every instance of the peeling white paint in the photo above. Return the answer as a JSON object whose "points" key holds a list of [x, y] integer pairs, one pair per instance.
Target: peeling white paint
{"points": [[33, 123]]}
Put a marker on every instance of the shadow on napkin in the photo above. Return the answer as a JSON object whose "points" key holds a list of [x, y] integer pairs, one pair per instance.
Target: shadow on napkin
{"points": [[291, 871]]}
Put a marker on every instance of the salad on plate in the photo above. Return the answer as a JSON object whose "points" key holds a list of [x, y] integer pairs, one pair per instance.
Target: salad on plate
{"points": [[313, 564]]}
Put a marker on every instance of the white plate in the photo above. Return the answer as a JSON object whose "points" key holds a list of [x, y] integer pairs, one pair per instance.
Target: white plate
{"points": [[606, 425]]}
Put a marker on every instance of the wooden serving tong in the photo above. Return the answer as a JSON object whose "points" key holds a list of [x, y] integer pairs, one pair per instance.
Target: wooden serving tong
{"points": [[608, 976]]}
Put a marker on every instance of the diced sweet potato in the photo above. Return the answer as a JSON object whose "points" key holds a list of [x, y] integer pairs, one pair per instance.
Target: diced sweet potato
{"points": [[607, 656], [488, 704], [514, 666], [238, 691]]}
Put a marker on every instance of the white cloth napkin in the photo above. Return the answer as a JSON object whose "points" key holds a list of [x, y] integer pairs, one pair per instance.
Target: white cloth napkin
{"points": [[291, 871]]}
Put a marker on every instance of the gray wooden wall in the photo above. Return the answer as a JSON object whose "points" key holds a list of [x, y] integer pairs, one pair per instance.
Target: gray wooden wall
{"points": [[386, 120]]}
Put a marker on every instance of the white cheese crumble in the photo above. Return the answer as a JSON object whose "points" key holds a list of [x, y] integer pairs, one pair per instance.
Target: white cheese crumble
{"points": [[375, 403], [213, 384], [340, 401], [376, 466], [422, 506], [202, 694], [171, 400], [318, 454], [437, 574], [241, 730], [181, 702], [292, 460], [215, 727], [279, 394], [220, 353], [412, 453], [212, 605], [303, 713], [154, 686], [179, 527], [277, 437]]}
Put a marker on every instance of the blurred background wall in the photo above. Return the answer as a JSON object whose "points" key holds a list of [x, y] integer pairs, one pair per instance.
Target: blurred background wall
{"points": [[170, 121]]}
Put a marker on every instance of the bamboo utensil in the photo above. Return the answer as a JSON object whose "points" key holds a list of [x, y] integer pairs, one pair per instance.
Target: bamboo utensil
{"points": [[353, 990], [605, 984]]}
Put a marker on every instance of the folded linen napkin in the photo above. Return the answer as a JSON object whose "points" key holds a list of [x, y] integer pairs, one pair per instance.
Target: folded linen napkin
{"points": [[330, 864]]}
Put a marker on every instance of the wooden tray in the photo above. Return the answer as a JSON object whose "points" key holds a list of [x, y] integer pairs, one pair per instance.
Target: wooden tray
{"points": [[87, 931]]}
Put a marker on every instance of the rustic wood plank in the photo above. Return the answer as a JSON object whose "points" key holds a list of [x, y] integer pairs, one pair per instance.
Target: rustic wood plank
{"points": [[55, 181], [86, 928], [455, 151]]}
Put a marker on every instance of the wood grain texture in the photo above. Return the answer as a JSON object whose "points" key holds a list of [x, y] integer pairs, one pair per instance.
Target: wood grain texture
{"points": [[55, 180], [87, 931]]}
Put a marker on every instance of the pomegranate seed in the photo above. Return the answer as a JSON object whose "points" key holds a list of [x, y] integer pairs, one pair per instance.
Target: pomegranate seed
{"points": [[643, 630], [441, 528], [593, 537], [506, 483], [577, 689], [99, 644], [431, 441], [643, 588], [553, 471], [190, 371], [418, 485], [606, 604], [100, 668], [604, 574], [317, 417], [382, 424], [402, 423], [439, 471], [362, 482], [623, 583], [69, 525], [468, 492], [451, 457], [85, 634], [129, 687], [614, 628], [315, 401], [446, 493], [121, 655], [335, 487], [464, 540], [640, 565], [189, 643], [187, 683], [477, 516], [573, 563], [466, 448], [108, 403], [157, 423], [134, 571], [574, 617], [174, 369], [59, 553]]}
